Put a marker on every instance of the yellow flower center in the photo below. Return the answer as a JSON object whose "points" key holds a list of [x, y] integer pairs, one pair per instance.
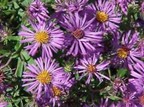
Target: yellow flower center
{"points": [[44, 77], [123, 52], [78, 34], [101, 16], [141, 100], [91, 68], [56, 91], [42, 37]]}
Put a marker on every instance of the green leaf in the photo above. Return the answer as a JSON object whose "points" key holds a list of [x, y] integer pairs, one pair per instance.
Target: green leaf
{"points": [[15, 38], [21, 103], [17, 46], [122, 72], [5, 52], [27, 57], [77, 76], [26, 2], [19, 68], [9, 105], [16, 102], [112, 97]]}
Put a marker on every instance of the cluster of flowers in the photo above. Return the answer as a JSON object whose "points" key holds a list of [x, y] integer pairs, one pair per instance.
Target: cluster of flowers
{"points": [[80, 29]]}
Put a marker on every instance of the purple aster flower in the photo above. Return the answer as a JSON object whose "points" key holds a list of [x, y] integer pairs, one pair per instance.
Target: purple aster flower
{"points": [[128, 98], [36, 10], [103, 11], [59, 91], [47, 37], [89, 67], [126, 50], [133, 95], [56, 93], [51, 99], [80, 35], [132, 99], [70, 6], [40, 77]]}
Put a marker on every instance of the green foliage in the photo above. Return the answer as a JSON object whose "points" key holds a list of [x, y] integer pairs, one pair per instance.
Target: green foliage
{"points": [[122, 72]]}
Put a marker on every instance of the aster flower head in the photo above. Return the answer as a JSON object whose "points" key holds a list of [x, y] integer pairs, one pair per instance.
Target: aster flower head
{"points": [[103, 11], [41, 76], [57, 92], [90, 66], [36, 10], [56, 95], [80, 35], [133, 95], [126, 49], [45, 36], [70, 6], [128, 99]]}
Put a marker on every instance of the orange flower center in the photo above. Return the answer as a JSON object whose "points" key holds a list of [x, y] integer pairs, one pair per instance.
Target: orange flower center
{"points": [[101, 16], [42, 37], [78, 34], [56, 91], [141, 99], [91, 68], [123, 52], [44, 77]]}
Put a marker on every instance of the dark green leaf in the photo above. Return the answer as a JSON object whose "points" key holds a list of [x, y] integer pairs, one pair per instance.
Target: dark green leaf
{"points": [[122, 72], [19, 69]]}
